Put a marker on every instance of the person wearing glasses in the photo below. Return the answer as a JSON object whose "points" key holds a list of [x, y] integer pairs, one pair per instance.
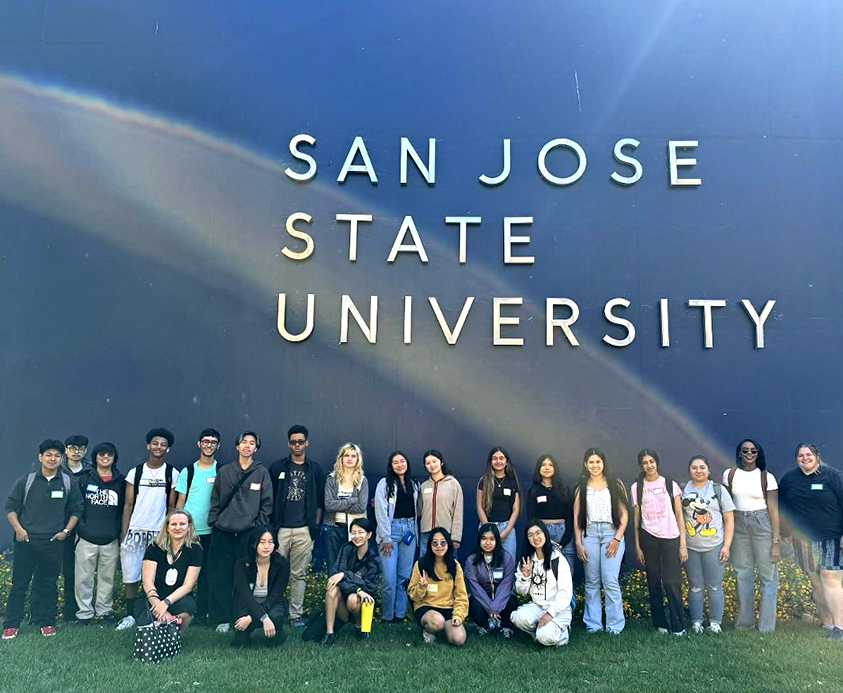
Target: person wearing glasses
{"points": [[75, 464], [299, 492], [437, 590], [354, 579], [756, 544], [193, 489]]}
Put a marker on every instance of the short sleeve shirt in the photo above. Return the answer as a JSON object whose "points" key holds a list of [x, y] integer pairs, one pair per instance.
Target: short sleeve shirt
{"points": [[703, 515], [198, 501], [503, 499], [657, 513], [746, 489], [169, 577], [150, 497]]}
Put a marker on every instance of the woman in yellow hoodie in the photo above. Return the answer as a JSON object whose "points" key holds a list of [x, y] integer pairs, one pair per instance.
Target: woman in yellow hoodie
{"points": [[437, 590]]}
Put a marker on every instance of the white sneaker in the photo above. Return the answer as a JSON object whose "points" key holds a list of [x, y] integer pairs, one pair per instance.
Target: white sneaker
{"points": [[429, 638], [126, 623], [679, 633], [663, 631], [696, 627], [714, 628], [223, 628]]}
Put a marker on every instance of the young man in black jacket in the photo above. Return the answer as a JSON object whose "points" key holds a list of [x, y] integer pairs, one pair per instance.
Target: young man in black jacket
{"points": [[43, 509], [240, 501], [98, 549], [299, 491]]}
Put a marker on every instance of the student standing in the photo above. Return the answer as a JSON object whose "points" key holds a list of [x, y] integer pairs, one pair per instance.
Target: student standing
{"points": [[440, 501], [811, 498], [98, 547], [756, 545], [346, 498], [660, 544], [43, 509], [396, 500], [299, 492], [600, 518], [549, 500], [499, 497], [75, 464], [240, 501], [150, 494], [193, 489]]}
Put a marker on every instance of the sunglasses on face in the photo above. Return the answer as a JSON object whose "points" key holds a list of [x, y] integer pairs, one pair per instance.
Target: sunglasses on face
{"points": [[439, 544], [749, 451], [297, 442]]}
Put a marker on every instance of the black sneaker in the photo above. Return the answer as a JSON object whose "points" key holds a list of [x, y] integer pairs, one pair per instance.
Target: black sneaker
{"points": [[84, 621], [328, 640]]}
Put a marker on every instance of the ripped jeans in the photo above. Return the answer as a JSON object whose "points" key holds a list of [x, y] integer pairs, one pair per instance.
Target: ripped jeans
{"points": [[705, 573]]}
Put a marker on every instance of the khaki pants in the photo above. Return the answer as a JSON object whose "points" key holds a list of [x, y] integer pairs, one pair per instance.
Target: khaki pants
{"points": [[92, 558], [296, 545]]}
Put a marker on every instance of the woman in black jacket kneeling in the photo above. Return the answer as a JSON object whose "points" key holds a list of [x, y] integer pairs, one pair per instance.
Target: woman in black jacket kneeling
{"points": [[354, 578], [260, 580]]}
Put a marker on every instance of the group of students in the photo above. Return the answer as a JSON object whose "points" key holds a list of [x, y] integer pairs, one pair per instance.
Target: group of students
{"points": [[236, 535]]}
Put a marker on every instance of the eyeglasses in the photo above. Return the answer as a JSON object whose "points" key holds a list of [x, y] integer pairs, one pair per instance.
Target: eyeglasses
{"points": [[76, 448], [439, 544], [209, 441], [298, 442], [535, 535], [749, 451], [358, 534]]}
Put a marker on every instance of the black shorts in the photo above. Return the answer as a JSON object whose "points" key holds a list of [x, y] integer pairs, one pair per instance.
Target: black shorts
{"points": [[447, 614]]}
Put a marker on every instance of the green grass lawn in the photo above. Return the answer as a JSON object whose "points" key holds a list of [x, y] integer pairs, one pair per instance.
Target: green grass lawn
{"points": [[796, 658]]}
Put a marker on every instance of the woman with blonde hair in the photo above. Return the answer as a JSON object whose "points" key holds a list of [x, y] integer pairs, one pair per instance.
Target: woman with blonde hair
{"points": [[346, 496], [170, 569]]}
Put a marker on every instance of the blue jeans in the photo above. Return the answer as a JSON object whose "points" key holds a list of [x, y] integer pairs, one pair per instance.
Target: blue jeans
{"points": [[423, 537], [557, 531], [705, 572], [333, 538], [601, 570], [510, 543], [751, 552], [395, 569]]}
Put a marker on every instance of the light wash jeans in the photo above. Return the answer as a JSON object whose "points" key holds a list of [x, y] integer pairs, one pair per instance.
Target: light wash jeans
{"points": [[557, 531], [511, 542], [751, 550], [396, 568], [705, 573], [423, 538], [601, 570]]}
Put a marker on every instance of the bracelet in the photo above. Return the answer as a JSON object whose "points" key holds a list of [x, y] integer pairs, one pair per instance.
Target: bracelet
{"points": [[168, 602], [615, 539]]}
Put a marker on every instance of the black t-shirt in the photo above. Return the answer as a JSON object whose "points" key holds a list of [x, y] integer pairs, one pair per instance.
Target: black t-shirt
{"points": [[547, 504], [813, 502], [295, 511], [189, 556], [404, 506], [503, 498]]}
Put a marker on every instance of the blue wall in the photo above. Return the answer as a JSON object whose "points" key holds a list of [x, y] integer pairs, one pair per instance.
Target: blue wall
{"points": [[143, 201]]}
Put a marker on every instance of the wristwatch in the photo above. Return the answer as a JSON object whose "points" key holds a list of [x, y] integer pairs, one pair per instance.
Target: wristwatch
{"points": [[168, 602]]}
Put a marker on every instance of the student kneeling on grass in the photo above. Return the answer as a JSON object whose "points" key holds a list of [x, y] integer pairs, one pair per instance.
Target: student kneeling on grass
{"points": [[170, 568], [437, 590], [544, 575], [260, 580], [354, 579]]}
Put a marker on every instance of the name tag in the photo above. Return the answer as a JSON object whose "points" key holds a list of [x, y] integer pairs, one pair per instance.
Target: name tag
{"points": [[210, 479], [392, 500], [428, 490], [507, 491], [657, 491], [56, 494], [282, 475], [343, 493], [255, 486], [816, 487], [497, 573], [92, 487], [541, 499], [432, 587]]}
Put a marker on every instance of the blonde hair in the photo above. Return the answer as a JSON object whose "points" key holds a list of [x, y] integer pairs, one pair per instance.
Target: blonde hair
{"points": [[162, 541], [357, 473]]}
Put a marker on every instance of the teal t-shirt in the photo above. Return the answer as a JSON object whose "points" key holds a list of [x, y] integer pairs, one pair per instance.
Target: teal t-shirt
{"points": [[198, 501]]}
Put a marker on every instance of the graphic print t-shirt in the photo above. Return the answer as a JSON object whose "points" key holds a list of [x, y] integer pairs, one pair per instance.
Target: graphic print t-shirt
{"points": [[150, 497], [704, 516], [295, 512]]}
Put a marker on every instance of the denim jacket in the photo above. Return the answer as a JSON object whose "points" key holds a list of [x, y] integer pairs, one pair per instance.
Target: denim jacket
{"points": [[385, 509]]}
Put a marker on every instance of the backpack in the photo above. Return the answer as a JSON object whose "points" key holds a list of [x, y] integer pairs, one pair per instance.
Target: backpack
{"points": [[191, 470], [639, 489], [168, 479], [30, 479], [731, 478]]}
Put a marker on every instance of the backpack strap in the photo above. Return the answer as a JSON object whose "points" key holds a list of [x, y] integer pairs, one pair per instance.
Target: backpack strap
{"points": [[236, 488], [718, 494], [168, 479], [639, 492], [66, 479], [554, 566], [764, 483], [30, 479], [190, 471], [731, 477]]}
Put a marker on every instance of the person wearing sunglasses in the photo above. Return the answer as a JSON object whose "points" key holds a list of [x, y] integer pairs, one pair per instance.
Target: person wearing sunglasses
{"points": [[755, 546], [354, 579], [437, 590]]}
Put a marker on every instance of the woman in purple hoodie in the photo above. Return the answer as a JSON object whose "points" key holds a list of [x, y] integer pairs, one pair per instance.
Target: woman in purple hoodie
{"points": [[490, 574]]}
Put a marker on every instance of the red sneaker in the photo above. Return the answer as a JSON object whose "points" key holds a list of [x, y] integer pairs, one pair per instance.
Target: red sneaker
{"points": [[47, 631], [10, 633]]}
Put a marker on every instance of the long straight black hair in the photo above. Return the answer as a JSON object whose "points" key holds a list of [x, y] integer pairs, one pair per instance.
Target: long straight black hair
{"points": [[427, 562], [497, 553], [557, 482], [616, 490], [392, 479]]}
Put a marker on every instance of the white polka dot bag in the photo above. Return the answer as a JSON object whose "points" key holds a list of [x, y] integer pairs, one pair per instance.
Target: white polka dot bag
{"points": [[157, 641]]}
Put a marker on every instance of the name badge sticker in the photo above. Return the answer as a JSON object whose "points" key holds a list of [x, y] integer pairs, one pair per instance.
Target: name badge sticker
{"points": [[816, 487], [432, 587], [657, 490], [541, 499], [428, 490], [210, 479], [92, 487], [282, 475], [56, 494], [392, 501], [507, 491], [497, 574], [256, 486]]}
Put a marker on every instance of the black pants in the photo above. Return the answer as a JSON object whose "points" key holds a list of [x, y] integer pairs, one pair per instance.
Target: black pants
{"points": [[664, 577], [480, 616], [68, 568], [202, 583], [278, 615], [225, 549], [37, 561]]}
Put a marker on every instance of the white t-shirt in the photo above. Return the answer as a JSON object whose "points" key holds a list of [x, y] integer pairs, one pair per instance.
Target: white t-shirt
{"points": [[150, 497], [746, 489]]}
